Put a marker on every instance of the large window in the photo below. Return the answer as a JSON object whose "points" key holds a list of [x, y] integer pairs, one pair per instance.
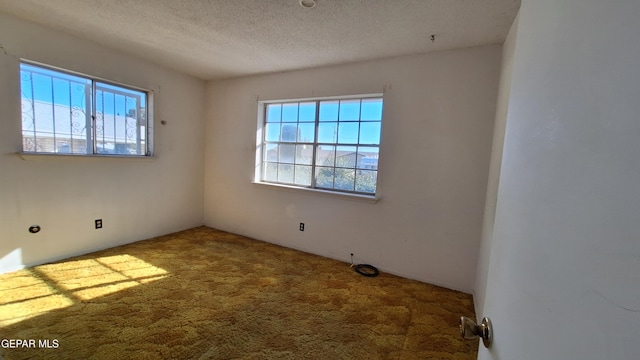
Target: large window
{"points": [[72, 114], [330, 144]]}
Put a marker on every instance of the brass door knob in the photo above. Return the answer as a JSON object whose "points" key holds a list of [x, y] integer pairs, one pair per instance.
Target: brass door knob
{"points": [[470, 330]]}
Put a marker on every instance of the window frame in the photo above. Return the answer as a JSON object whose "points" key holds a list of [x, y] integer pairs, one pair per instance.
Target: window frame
{"points": [[91, 117], [261, 142]]}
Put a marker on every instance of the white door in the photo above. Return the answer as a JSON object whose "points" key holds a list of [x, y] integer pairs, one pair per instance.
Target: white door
{"points": [[563, 274]]}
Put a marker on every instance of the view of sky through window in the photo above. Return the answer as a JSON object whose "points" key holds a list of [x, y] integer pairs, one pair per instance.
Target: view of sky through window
{"points": [[326, 144], [67, 113]]}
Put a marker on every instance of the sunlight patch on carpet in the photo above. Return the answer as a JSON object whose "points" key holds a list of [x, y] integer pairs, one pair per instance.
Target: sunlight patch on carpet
{"points": [[91, 278], [28, 293], [23, 296]]}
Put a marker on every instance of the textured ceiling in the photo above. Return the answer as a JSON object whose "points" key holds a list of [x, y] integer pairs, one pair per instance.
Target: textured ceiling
{"points": [[214, 39]]}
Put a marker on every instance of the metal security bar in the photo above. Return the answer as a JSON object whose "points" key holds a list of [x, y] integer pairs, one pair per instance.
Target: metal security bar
{"points": [[120, 121], [54, 111], [67, 113]]}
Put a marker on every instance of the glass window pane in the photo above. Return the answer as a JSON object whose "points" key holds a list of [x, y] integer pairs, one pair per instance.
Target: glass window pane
{"points": [[328, 110], [345, 179], [348, 133], [289, 132], [274, 112], [304, 154], [62, 114], [332, 144], [328, 132], [273, 132], [307, 111], [286, 153], [370, 133], [326, 155], [117, 129], [74, 146], [324, 177], [346, 156], [350, 110], [306, 132], [366, 181], [48, 73], [270, 172], [303, 175], [54, 117], [285, 173], [371, 109], [368, 157], [104, 122], [271, 152], [290, 112], [119, 90]]}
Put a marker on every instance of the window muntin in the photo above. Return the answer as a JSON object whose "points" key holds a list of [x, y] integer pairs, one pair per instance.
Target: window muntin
{"points": [[330, 144], [73, 114]]}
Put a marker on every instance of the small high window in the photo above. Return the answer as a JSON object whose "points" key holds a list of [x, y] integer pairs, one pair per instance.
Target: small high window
{"points": [[67, 113], [330, 144]]}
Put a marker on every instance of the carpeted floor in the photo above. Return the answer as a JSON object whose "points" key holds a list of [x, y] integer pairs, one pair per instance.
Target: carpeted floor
{"points": [[208, 294]]}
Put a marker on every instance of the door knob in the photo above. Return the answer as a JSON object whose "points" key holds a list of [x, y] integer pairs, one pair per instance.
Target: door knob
{"points": [[470, 330]]}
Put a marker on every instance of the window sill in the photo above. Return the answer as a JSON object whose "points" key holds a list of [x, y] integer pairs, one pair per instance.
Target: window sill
{"points": [[41, 156], [325, 193]]}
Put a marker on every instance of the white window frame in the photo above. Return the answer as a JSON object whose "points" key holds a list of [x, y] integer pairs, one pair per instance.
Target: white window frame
{"points": [[91, 133], [261, 145]]}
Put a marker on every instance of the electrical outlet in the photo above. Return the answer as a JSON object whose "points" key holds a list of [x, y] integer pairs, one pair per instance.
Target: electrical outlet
{"points": [[301, 226], [98, 223]]}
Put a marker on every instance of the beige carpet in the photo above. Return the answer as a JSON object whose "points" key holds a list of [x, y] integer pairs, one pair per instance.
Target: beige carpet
{"points": [[208, 294]]}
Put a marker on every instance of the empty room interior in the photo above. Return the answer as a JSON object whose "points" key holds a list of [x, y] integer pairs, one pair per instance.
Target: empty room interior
{"points": [[319, 179]]}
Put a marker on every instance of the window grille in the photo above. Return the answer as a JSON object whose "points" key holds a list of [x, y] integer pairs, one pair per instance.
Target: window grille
{"points": [[67, 113], [329, 144]]}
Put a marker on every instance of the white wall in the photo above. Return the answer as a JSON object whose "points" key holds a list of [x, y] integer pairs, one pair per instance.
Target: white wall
{"points": [[564, 277], [436, 144], [136, 199]]}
